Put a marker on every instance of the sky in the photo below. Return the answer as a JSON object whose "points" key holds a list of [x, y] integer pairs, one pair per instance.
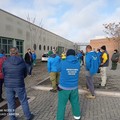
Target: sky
{"points": [[75, 20]]}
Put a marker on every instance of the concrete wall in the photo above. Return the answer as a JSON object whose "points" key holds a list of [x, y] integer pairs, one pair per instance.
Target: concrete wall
{"points": [[14, 27]]}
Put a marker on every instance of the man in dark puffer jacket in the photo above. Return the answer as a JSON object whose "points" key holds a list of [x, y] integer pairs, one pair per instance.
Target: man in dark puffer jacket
{"points": [[14, 70]]}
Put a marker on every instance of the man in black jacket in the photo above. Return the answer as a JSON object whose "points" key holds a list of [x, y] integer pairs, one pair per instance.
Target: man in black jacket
{"points": [[29, 61], [14, 71]]}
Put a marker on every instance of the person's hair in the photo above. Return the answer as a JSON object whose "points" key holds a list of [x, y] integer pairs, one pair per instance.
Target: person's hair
{"points": [[13, 51], [98, 50], [89, 47], [2, 51], [116, 50], [28, 49]]}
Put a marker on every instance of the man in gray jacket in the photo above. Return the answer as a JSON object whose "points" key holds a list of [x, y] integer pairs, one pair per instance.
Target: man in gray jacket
{"points": [[115, 59]]}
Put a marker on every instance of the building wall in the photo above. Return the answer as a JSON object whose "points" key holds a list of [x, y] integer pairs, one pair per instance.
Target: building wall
{"points": [[110, 44], [16, 28]]}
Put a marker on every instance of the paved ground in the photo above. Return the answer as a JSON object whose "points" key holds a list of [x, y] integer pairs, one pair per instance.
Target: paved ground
{"points": [[45, 103]]}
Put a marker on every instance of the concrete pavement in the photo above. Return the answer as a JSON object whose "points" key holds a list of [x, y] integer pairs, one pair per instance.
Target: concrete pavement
{"points": [[44, 104]]}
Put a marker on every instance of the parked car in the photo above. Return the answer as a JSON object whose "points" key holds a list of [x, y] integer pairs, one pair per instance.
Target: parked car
{"points": [[44, 57]]}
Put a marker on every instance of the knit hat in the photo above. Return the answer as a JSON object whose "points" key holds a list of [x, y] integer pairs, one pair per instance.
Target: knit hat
{"points": [[103, 47], [50, 53], [70, 52]]}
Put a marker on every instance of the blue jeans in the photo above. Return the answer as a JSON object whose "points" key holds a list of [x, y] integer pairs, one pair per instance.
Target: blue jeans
{"points": [[22, 96], [29, 68]]}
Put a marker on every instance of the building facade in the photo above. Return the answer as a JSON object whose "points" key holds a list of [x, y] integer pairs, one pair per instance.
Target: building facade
{"points": [[16, 32], [109, 43]]}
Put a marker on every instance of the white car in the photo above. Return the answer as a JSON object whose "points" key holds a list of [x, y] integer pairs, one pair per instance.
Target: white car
{"points": [[44, 57]]}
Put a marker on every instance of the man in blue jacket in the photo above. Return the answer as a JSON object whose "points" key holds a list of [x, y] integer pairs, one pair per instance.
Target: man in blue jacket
{"points": [[53, 62], [92, 65], [68, 86], [14, 70]]}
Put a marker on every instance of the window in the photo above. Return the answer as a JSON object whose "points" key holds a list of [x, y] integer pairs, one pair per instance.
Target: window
{"points": [[19, 45], [44, 47], [6, 44], [39, 47], [48, 48], [34, 47]]}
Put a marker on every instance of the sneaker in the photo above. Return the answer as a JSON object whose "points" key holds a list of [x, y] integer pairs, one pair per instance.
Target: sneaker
{"points": [[102, 87], [32, 117], [1, 100], [89, 96], [77, 118], [52, 90]]}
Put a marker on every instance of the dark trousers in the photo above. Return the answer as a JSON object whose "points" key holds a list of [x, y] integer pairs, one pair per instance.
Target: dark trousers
{"points": [[29, 68], [22, 96], [89, 80], [1, 83], [114, 65]]}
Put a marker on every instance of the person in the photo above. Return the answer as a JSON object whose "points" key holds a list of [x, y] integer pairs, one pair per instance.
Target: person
{"points": [[68, 86], [34, 57], [63, 56], [82, 58], [92, 65], [52, 65], [14, 71], [29, 61], [103, 66], [2, 59], [115, 59], [99, 53]]}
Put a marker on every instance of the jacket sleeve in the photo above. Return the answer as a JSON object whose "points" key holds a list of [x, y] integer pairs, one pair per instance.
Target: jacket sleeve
{"points": [[88, 63], [25, 72], [3, 68], [25, 57], [105, 58], [59, 66], [49, 65]]}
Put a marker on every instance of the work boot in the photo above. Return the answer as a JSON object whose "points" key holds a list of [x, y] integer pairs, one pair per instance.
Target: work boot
{"points": [[32, 117], [85, 88], [90, 96], [52, 90], [1, 100]]}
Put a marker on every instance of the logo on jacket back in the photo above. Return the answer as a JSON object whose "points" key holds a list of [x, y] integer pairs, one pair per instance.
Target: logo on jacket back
{"points": [[72, 71], [94, 58]]}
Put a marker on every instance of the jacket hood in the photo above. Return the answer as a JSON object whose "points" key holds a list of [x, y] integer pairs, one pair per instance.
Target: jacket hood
{"points": [[92, 53], [1, 55], [72, 59], [15, 60]]}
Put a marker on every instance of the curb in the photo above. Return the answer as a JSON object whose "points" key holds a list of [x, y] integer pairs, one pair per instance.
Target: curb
{"points": [[81, 91]]}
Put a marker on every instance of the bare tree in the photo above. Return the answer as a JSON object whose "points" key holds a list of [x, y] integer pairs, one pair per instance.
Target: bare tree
{"points": [[36, 33], [113, 32]]}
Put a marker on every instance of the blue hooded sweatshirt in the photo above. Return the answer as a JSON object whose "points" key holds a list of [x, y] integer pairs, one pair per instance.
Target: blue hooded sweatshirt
{"points": [[53, 63], [69, 73], [92, 62]]}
